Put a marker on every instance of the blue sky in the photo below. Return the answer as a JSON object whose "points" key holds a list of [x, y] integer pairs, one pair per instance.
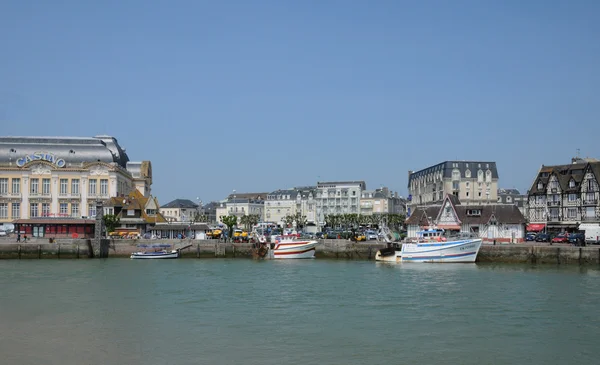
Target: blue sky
{"points": [[261, 95]]}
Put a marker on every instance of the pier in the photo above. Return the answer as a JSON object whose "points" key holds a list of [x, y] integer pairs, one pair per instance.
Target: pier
{"points": [[326, 249]]}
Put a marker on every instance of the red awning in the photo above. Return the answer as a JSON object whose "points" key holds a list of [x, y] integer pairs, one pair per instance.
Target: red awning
{"points": [[535, 227], [449, 226]]}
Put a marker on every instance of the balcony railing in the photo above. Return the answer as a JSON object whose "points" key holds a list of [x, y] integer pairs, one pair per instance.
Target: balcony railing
{"points": [[553, 203], [590, 219], [590, 202], [554, 219], [69, 195]]}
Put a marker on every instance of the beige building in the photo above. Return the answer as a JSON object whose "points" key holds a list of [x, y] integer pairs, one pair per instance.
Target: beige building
{"points": [[63, 177], [288, 202], [381, 201], [473, 182]]}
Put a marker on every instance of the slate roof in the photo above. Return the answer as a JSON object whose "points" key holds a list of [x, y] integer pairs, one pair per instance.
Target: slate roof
{"points": [[564, 174], [359, 182], [180, 203], [293, 193], [253, 196], [419, 216], [446, 168], [503, 213]]}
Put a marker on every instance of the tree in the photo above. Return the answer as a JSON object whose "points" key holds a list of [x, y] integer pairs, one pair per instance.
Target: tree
{"points": [[198, 217], [249, 221], [300, 220], [288, 220], [111, 222], [230, 221]]}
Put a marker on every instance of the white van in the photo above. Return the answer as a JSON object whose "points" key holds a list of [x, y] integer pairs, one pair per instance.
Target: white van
{"points": [[592, 232]]}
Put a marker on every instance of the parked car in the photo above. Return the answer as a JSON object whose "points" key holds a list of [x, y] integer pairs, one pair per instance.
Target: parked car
{"points": [[577, 238], [530, 237], [561, 238], [371, 235], [3, 233], [543, 237]]}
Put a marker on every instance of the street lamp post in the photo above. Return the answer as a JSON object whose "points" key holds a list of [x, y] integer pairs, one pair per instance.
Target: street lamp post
{"points": [[234, 204]]}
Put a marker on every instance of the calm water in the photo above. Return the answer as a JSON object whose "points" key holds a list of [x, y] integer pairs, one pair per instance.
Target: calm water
{"points": [[295, 312]]}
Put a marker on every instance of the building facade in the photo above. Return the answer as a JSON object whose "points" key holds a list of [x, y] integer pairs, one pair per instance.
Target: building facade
{"points": [[136, 213], [180, 210], [381, 201], [513, 196], [490, 222], [63, 177], [240, 207], [338, 197], [473, 182], [288, 202], [563, 197]]}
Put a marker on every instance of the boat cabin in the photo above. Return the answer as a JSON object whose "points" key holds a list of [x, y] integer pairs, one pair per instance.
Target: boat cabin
{"points": [[431, 235]]}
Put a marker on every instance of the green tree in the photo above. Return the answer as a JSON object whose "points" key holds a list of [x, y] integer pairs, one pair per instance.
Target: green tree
{"points": [[111, 222], [230, 221], [198, 217], [288, 220], [300, 220]]}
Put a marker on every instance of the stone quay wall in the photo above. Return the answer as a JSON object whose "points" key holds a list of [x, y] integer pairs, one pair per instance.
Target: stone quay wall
{"points": [[326, 249]]}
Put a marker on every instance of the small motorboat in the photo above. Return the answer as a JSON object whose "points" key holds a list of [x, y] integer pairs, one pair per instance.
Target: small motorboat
{"points": [[160, 252]]}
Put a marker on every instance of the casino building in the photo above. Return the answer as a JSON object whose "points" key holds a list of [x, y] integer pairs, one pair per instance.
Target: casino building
{"points": [[49, 185]]}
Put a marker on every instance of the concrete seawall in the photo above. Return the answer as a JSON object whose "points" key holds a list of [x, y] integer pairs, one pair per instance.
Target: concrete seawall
{"points": [[326, 249]]}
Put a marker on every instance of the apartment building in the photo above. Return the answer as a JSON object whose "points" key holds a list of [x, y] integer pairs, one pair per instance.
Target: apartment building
{"points": [[473, 182], [287, 202], [338, 197]]}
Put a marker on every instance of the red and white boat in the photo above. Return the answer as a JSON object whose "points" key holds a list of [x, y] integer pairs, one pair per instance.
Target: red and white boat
{"points": [[292, 247]]}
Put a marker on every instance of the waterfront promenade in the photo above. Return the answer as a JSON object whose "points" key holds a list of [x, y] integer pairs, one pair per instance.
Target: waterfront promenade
{"points": [[531, 252]]}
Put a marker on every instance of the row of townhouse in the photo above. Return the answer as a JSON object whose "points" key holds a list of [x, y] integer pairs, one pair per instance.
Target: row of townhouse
{"points": [[313, 202], [565, 197]]}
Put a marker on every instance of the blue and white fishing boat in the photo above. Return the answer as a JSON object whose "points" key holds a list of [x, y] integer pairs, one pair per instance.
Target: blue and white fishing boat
{"points": [[160, 252], [433, 246]]}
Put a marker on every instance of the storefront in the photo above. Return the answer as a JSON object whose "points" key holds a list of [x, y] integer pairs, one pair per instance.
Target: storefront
{"points": [[55, 228]]}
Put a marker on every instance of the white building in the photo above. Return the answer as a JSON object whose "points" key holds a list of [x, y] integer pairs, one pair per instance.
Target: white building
{"points": [[338, 197], [240, 207], [180, 210]]}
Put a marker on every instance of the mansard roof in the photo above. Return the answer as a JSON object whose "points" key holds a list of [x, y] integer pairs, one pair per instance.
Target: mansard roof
{"points": [[73, 150], [181, 203], [447, 167]]}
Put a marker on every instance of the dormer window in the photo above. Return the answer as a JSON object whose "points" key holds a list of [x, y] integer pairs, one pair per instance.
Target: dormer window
{"points": [[572, 183], [474, 212], [540, 185]]}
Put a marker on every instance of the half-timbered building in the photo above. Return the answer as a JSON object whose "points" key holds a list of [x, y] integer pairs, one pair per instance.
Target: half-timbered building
{"points": [[562, 197], [491, 222]]}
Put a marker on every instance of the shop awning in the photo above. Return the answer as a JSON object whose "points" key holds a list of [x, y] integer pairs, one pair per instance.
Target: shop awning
{"points": [[535, 227], [449, 226]]}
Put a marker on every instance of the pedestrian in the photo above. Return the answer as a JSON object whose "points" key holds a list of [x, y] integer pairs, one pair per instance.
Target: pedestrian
{"points": [[19, 237], [25, 238]]}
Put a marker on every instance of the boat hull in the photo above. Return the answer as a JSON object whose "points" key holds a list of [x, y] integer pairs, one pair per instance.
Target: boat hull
{"points": [[452, 251], [294, 250], [463, 251], [394, 256], [155, 255]]}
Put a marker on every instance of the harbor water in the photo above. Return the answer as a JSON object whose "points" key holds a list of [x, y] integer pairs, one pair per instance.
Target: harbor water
{"points": [[226, 311]]}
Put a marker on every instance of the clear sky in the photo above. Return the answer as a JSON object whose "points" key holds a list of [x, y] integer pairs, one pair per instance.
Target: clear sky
{"points": [[261, 95]]}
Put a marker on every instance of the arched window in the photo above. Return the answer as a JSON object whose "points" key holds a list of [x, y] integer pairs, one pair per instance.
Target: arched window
{"points": [[468, 174], [480, 176], [488, 175]]}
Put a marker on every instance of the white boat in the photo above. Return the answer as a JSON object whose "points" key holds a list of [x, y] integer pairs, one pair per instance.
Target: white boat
{"points": [[287, 247], [159, 254], [432, 246]]}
